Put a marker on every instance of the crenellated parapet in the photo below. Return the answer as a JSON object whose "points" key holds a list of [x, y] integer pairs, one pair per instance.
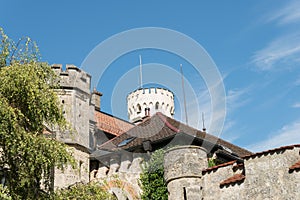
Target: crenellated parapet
{"points": [[119, 163], [147, 101], [124, 169], [73, 77]]}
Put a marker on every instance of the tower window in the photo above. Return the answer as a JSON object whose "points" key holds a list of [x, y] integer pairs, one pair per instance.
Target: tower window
{"points": [[156, 105], [139, 108]]}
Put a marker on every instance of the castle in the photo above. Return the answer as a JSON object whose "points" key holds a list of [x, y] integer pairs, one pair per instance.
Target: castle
{"points": [[111, 150]]}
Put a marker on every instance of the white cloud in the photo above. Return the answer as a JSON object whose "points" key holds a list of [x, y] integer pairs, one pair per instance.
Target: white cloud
{"points": [[283, 52], [195, 109], [235, 98], [290, 13], [296, 105], [287, 135], [230, 132], [297, 82]]}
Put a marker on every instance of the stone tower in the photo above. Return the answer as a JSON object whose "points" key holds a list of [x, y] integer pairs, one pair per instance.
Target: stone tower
{"points": [[183, 172], [75, 97], [78, 107], [147, 101]]}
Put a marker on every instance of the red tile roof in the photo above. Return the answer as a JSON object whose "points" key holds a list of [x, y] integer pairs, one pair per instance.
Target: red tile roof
{"points": [[111, 124], [217, 167], [295, 166], [159, 127], [283, 148], [234, 179]]}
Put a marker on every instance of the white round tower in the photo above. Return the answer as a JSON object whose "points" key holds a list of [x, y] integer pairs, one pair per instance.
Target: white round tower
{"points": [[147, 101]]}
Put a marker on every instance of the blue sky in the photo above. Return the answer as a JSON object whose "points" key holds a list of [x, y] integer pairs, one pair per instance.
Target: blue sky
{"points": [[254, 44]]}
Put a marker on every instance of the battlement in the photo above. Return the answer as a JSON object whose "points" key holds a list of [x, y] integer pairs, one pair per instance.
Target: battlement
{"points": [[73, 77], [147, 91], [123, 169], [147, 101]]}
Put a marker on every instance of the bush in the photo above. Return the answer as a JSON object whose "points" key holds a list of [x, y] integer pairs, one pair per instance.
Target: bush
{"points": [[152, 178], [88, 191]]}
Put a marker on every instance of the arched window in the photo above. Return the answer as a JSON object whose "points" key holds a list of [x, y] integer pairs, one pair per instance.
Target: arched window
{"points": [[172, 110], [139, 108], [156, 106], [151, 105]]}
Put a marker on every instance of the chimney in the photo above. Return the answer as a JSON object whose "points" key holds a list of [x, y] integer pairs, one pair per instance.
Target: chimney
{"points": [[96, 99]]}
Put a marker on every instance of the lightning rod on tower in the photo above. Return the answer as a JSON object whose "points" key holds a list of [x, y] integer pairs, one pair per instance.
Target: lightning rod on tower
{"points": [[182, 82], [203, 124], [141, 73]]}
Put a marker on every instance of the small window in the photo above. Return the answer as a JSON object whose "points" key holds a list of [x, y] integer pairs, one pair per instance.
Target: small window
{"points": [[156, 105], [172, 110], [126, 141], [139, 108]]}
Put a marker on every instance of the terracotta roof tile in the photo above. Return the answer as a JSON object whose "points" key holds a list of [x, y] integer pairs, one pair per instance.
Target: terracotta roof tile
{"points": [[234, 179], [217, 167], [283, 148], [295, 166], [159, 127], [111, 124]]}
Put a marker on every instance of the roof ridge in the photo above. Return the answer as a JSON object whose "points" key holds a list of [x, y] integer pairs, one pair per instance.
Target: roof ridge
{"points": [[271, 150], [207, 135], [218, 166], [110, 115], [164, 119]]}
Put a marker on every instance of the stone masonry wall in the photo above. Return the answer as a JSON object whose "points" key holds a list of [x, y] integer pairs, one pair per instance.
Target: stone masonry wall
{"points": [[121, 175], [78, 107], [266, 175], [69, 176], [75, 97]]}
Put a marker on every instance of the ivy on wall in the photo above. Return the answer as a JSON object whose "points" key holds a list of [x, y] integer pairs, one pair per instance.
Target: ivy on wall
{"points": [[152, 178]]}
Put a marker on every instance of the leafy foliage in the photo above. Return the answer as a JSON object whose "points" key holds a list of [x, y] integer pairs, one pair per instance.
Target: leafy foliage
{"points": [[23, 51], [27, 103], [89, 191], [4, 193], [213, 161], [152, 178]]}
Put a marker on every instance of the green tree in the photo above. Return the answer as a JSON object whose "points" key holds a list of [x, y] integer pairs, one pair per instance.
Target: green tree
{"points": [[27, 103], [152, 178], [80, 191]]}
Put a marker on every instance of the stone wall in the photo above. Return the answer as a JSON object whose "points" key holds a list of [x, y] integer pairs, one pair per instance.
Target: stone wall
{"points": [[78, 105], [266, 175], [75, 97], [69, 176], [120, 173]]}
